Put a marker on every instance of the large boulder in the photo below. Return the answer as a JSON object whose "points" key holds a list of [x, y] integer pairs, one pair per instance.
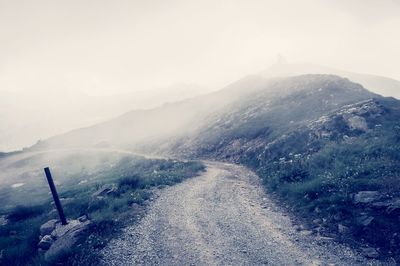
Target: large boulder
{"points": [[48, 227], [65, 237], [366, 196]]}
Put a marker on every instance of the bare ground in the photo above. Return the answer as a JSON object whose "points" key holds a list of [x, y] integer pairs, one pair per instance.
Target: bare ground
{"points": [[222, 217]]}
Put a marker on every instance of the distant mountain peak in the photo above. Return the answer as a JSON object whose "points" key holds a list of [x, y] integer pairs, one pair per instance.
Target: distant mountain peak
{"points": [[377, 84], [281, 60]]}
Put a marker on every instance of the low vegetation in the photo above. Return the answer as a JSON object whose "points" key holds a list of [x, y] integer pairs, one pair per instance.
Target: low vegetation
{"points": [[132, 178], [346, 181], [328, 148]]}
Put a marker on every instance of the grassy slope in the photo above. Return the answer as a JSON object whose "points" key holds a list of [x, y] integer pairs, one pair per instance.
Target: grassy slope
{"points": [[315, 165], [319, 176], [135, 176]]}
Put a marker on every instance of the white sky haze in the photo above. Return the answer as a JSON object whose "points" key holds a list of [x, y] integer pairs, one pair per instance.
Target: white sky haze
{"points": [[102, 47]]}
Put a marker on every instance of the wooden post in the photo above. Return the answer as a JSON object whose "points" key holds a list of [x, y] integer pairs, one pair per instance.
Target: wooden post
{"points": [[55, 196]]}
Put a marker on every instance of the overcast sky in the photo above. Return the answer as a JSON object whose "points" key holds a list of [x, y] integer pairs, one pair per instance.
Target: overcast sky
{"points": [[102, 47]]}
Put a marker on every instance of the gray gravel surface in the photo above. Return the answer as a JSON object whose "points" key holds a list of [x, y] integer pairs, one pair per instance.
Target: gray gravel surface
{"points": [[222, 217]]}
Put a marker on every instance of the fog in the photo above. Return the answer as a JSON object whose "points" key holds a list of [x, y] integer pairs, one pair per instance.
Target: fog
{"points": [[69, 64]]}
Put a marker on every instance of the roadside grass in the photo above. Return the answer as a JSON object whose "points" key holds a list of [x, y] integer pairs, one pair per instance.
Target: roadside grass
{"points": [[320, 178], [134, 177]]}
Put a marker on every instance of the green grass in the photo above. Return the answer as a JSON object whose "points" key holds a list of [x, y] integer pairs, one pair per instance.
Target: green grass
{"points": [[318, 177], [134, 178]]}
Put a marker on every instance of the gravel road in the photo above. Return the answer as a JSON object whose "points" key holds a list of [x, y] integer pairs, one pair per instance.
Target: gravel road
{"points": [[222, 217]]}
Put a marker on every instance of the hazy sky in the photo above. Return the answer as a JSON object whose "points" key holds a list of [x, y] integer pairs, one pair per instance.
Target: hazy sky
{"points": [[111, 46]]}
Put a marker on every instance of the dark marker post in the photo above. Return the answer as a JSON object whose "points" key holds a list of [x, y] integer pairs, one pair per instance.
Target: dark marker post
{"points": [[55, 196]]}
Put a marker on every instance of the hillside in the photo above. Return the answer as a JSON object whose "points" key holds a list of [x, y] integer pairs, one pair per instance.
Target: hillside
{"points": [[103, 189], [138, 127], [324, 145], [22, 112]]}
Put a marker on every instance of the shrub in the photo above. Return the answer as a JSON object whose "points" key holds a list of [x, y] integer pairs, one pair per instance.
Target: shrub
{"points": [[25, 212]]}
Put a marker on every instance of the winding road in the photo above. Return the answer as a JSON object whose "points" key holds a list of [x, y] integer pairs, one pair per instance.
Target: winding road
{"points": [[222, 217]]}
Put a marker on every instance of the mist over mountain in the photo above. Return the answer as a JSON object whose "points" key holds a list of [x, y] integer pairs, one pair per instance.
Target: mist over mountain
{"points": [[317, 140], [139, 128], [73, 110], [56, 112], [169, 134], [323, 145]]}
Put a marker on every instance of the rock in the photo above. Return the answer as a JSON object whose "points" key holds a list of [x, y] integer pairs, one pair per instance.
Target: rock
{"points": [[65, 238], [48, 227], [137, 207], [365, 220], [370, 253], [105, 190], [297, 228], [72, 226], [317, 221], [357, 122], [83, 218], [306, 232], [343, 229], [324, 238], [337, 217], [394, 205], [45, 242], [366, 196], [3, 220]]}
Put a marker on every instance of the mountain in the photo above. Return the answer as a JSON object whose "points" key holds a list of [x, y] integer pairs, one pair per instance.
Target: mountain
{"points": [[378, 84], [134, 128], [279, 108], [22, 112], [325, 146]]}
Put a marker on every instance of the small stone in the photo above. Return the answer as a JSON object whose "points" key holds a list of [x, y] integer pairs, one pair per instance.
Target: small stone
{"points": [[3, 220], [343, 229], [365, 220], [83, 218], [366, 196], [306, 232], [48, 227], [337, 217], [317, 221], [45, 242], [370, 253], [137, 207]]}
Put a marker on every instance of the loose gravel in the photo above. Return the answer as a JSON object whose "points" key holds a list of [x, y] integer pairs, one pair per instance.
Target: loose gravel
{"points": [[222, 217]]}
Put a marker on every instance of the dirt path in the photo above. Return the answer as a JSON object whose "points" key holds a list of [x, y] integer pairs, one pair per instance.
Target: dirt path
{"points": [[221, 218]]}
